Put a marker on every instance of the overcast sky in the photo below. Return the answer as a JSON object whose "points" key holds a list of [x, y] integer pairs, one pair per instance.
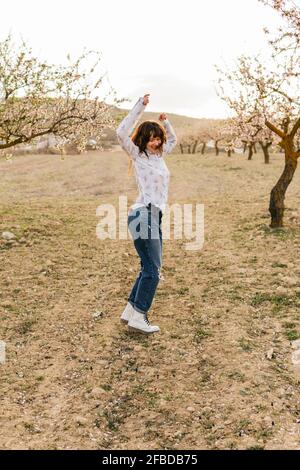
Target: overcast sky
{"points": [[167, 48]]}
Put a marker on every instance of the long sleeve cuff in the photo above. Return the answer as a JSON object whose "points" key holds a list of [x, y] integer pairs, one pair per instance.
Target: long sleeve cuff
{"points": [[126, 127], [128, 123], [171, 136]]}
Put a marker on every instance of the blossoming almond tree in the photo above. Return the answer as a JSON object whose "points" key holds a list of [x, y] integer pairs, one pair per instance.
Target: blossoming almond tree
{"points": [[37, 98], [269, 93]]}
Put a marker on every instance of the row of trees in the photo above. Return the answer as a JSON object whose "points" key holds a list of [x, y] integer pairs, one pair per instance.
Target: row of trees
{"points": [[263, 93], [228, 135]]}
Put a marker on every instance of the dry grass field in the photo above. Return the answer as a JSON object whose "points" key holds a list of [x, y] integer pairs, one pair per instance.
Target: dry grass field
{"points": [[219, 374]]}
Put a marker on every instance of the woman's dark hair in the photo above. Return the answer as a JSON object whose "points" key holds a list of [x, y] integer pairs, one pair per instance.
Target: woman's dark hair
{"points": [[142, 134]]}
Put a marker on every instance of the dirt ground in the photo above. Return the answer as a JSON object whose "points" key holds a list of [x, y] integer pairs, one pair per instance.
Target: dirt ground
{"points": [[219, 374]]}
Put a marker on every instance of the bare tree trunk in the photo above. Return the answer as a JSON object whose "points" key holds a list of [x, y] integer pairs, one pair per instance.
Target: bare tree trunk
{"points": [[254, 148], [181, 148], [203, 148], [195, 146], [216, 147], [189, 148], [250, 151], [276, 207], [265, 149], [229, 152]]}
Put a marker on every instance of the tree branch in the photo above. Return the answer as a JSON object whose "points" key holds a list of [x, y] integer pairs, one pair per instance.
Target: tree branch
{"points": [[275, 129]]}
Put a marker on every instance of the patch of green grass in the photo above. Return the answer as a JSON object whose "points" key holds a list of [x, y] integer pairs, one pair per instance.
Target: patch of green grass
{"points": [[106, 387], [279, 265], [260, 407], [236, 375], [234, 295], [292, 335], [152, 399], [244, 392], [201, 334], [259, 298], [245, 344], [281, 300], [182, 290], [281, 233], [243, 425], [205, 377], [264, 434], [26, 326], [278, 301], [112, 420]]}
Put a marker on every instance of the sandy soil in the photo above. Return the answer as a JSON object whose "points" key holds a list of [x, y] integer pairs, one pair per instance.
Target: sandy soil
{"points": [[75, 378]]}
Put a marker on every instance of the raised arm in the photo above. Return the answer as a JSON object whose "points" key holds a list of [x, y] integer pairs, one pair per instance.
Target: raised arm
{"points": [[171, 136], [126, 127]]}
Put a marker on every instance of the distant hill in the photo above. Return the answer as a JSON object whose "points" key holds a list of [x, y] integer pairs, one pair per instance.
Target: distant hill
{"points": [[182, 124]]}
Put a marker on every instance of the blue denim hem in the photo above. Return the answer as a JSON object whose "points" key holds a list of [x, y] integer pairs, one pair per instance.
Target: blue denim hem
{"points": [[137, 309]]}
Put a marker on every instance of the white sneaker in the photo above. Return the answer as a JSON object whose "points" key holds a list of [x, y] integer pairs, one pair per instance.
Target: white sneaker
{"points": [[140, 323], [127, 313]]}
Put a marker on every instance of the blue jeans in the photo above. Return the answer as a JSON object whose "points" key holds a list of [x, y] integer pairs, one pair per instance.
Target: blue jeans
{"points": [[144, 224]]}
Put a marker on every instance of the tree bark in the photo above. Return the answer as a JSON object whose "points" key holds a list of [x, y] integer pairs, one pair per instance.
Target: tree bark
{"points": [[229, 153], [181, 148], [276, 207], [250, 151], [216, 147], [195, 146], [265, 149], [203, 148]]}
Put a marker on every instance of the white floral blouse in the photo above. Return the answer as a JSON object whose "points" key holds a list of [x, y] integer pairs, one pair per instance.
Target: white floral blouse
{"points": [[152, 174]]}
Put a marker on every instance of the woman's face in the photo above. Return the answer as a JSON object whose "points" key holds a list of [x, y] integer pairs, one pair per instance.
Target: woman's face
{"points": [[153, 144]]}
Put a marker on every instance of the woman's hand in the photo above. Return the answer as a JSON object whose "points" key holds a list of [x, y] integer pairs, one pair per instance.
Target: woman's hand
{"points": [[162, 117], [146, 99]]}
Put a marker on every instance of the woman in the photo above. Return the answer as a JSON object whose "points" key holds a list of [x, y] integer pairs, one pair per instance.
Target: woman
{"points": [[146, 148]]}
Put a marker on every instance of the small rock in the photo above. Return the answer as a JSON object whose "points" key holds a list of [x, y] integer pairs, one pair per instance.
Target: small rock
{"points": [[97, 315], [270, 354], [80, 420], [207, 410], [98, 392], [191, 409], [8, 236]]}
